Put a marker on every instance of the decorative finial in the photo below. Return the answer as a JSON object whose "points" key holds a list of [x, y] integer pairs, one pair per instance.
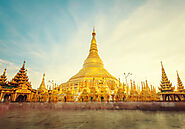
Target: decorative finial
{"points": [[43, 76], [24, 64], [94, 33], [4, 71], [161, 63], [162, 67], [177, 73]]}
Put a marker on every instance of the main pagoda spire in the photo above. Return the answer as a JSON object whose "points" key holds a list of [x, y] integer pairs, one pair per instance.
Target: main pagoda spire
{"points": [[93, 66], [180, 86], [93, 47], [93, 59]]}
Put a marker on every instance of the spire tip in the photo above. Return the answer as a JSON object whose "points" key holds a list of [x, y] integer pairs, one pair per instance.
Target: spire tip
{"points": [[94, 32], [4, 71], [43, 76], [94, 29], [24, 64]]}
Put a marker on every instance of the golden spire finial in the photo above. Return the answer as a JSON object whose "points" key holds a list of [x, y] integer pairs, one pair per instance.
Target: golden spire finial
{"points": [[177, 73], [161, 64], [178, 78], [163, 71], [93, 41], [4, 71], [24, 64], [93, 33], [44, 76]]}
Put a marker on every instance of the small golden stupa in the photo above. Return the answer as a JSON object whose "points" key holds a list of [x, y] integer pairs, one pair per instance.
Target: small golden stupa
{"points": [[42, 87]]}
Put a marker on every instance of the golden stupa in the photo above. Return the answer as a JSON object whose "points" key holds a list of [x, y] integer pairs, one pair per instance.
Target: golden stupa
{"points": [[42, 87], [93, 68]]}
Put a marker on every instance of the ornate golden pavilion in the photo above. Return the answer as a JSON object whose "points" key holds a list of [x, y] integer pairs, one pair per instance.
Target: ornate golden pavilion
{"points": [[19, 89], [168, 92]]}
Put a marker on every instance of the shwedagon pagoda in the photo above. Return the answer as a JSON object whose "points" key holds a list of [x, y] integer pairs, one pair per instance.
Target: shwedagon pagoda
{"points": [[93, 83]]}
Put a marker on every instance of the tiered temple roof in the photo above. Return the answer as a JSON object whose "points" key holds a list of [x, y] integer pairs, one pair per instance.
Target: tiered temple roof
{"points": [[20, 78], [166, 86], [3, 79], [180, 86]]}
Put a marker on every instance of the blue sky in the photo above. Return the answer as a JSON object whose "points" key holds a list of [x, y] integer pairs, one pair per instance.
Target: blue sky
{"points": [[54, 37]]}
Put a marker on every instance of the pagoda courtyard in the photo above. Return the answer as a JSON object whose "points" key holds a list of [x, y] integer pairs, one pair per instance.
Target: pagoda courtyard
{"points": [[93, 83]]}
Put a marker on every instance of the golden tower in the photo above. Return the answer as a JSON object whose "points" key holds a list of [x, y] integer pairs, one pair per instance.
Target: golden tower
{"points": [[166, 86], [42, 87], [180, 86], [166, 89], [93, 67]]}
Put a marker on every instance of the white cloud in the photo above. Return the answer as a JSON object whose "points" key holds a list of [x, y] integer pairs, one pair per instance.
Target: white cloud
{"points": [[152, 33]]}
